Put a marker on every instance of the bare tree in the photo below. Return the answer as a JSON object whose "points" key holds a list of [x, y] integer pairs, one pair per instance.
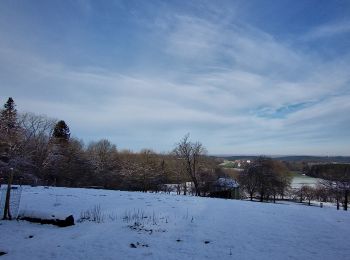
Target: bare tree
{"points": [[265, 177], [36, 125], [335, 191], [308, 192], [248, 180], [336, 178], [37, 130], [103, 154], [191, 155]]}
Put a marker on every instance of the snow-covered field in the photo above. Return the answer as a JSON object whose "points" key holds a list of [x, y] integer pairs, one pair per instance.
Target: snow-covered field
{"points": [[301, 180], [173, 227]]}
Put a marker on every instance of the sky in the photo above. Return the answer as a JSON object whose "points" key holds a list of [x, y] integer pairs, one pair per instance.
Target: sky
{"points": [[242, 77]]}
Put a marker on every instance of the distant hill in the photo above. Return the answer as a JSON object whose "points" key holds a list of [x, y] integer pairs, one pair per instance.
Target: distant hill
{"points": [[237, 157], [293, 158], [326, 159]]}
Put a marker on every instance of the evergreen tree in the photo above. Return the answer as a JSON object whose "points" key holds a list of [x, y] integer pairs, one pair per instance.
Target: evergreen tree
{"points": [[9, 132], [9, 148], [8, 119], [61, 131]]}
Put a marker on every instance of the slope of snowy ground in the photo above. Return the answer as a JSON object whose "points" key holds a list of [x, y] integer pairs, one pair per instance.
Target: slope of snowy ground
{"points": [[301, 180], [173, 227]]}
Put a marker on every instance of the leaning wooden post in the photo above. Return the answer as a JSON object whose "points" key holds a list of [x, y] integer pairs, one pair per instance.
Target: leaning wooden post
{"points": [[7, 213]]}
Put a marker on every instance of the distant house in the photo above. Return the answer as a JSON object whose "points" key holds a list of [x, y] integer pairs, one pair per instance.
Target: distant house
{"points": [[227, 188]]}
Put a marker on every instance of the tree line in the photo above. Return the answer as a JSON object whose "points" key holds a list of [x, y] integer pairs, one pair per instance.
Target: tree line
{"points": [[41, 151], [335, 179]]}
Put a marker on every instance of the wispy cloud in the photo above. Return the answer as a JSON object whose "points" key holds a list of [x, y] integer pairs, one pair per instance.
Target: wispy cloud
{"points": [[329, 30], [235, 87]]}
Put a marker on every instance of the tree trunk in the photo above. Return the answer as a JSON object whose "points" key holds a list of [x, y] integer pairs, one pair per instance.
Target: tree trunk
{"points": [[251, 196], [198, 192], [7, 213], [346, 200], [196, 187], [274, 198], [337, 203]]}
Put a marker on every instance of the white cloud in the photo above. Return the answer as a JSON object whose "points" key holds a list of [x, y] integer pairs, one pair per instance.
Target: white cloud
{"points": [[223, 76], [328, 30]]}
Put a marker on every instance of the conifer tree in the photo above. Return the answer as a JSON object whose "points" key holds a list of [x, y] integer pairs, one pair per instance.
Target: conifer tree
{"points": [[8, 122], [9, 146], [61, 131], [9, 132]]}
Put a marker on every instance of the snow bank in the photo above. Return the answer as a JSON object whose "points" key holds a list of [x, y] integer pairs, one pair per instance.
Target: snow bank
{"points": [[159, 226]]}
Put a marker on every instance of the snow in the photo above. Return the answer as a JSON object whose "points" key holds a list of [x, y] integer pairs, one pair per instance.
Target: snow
{"points": [[227, 183], [303, 180], [173, 227]]}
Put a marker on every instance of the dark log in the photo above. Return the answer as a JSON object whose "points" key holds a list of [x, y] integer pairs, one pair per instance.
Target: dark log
{"points": [[68, 221]]}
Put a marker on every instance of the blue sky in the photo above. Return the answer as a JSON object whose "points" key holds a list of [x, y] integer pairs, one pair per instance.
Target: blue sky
{"points": [[242, 77]]}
